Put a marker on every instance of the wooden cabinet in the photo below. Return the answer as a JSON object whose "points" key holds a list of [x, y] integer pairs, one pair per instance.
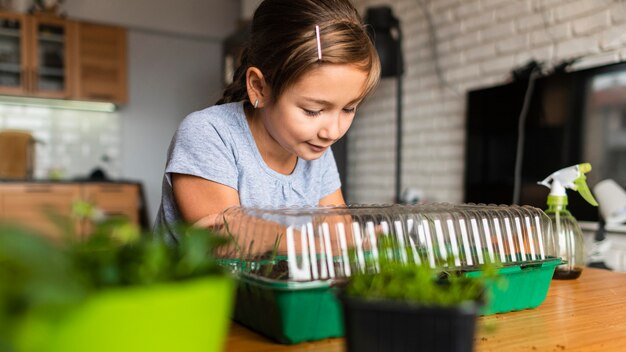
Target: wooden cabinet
{"points": [[51, 41], [101, 63], [52, 57], [14, 60], [45, 208], [35, 56], [114, 199], [41, 206]]}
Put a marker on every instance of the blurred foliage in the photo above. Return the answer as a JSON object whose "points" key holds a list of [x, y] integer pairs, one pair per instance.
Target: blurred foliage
{"points": [[398, 280], [34, 276], [37, 274]]}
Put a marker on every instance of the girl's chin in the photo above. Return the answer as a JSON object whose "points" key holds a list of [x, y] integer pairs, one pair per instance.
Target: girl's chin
{"points": [[309, 156]]}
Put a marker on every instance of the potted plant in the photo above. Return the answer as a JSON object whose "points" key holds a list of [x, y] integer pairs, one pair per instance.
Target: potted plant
{"points": [[117, 290], [411, 307]]}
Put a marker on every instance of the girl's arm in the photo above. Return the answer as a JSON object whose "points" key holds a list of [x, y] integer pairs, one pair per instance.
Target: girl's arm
{"points": [[200, 201], [335, 198]]}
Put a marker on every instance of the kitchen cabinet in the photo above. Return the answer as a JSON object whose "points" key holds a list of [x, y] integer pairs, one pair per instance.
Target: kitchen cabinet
{"points": [[13, 59], [53, 57], [32, 203], [101, 63], [36, 205], [51, 42], [120, 200], [35, 55]]}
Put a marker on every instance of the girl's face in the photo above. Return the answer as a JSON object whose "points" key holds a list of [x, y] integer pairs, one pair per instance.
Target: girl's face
{"points": [[316, 111]]}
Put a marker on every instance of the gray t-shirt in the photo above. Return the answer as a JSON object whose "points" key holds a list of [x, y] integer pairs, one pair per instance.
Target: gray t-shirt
{"points": [[216, 144]]}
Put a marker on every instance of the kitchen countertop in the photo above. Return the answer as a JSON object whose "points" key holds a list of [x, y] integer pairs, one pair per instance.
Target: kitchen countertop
{"points": [[587, 314]]}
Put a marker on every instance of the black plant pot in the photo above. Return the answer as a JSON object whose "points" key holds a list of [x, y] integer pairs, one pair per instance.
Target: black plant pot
{"points": [[387, 326]]}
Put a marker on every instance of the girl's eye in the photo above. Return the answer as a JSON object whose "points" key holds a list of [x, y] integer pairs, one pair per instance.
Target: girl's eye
{"points": [[312, 112], [349, 110]]}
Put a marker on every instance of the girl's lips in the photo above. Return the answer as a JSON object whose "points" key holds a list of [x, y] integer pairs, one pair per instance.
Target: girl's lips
{"points": [[316, 148]]}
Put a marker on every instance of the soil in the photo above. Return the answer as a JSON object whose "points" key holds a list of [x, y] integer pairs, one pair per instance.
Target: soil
{"points": [[277, 271], [567, 274]]}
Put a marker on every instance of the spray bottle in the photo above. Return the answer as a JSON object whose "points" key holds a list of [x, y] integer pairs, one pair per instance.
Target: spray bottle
{"points": [[570, 242]]}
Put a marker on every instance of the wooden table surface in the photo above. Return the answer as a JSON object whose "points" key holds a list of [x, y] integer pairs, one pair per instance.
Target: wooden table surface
{"points": [[587, 314]]}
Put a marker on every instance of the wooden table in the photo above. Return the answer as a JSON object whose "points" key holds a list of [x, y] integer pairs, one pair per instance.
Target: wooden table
{"points": [[588, 314]]}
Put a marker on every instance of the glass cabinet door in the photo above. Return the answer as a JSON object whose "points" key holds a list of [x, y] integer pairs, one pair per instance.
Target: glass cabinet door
{"points": [[13, 75], [50, 57]]}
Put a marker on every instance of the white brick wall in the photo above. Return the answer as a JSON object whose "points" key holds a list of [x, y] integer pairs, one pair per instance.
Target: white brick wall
{"points": [[70, 141], [478, 42]]}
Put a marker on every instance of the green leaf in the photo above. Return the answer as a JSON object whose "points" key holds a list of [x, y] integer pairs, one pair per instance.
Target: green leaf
{"points": [[420, 284]]}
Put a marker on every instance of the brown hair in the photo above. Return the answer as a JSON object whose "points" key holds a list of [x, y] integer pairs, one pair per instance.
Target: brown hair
{"points": [[283, 44]]}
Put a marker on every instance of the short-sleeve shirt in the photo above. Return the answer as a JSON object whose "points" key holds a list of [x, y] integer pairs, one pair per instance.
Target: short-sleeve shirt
{"points": [[216, 144]]}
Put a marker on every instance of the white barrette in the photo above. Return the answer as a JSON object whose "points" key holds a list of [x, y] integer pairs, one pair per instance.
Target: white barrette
{"points": [[319, 43]]}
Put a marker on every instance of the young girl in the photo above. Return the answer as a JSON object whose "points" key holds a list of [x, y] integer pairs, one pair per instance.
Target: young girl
{"points": [[307, 67]]}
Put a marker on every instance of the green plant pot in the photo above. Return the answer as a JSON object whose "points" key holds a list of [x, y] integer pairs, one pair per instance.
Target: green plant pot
{"points": [[182, 316]]}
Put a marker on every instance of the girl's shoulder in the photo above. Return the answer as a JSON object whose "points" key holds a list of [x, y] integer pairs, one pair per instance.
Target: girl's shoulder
{"points": [[217, 116], [222, 125]]}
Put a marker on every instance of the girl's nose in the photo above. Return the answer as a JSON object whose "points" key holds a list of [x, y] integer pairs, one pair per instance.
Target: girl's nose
{"points": [[331, 129]]}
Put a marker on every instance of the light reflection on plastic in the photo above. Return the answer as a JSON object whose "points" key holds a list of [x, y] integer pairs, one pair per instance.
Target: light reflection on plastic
{"points": [[410, 224], [386, 232], [453, 242], [295, 272], [313, 252], [341, 231], [466, 245], [442, 245], [371, 232], [509, 237], [416, 257], [520, 240], [358, 243], [500, 241], [531, 243], [401, 243], [488, 240], [479, 247], [327, 253], [429, 245], [539, 235]]}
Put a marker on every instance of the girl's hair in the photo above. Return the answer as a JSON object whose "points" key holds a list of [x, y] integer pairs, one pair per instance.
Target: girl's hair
{"points": [[283, 44]]}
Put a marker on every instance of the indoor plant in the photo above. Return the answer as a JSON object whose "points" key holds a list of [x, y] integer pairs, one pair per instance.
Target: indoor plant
{"points": [[410, 307], [117, 290]]}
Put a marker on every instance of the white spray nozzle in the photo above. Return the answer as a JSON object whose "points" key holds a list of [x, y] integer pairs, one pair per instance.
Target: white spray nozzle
{"points": [[572, 177]]}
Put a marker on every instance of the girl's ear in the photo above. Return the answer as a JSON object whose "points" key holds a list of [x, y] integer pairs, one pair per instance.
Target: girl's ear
{"points": [[258, 90]]}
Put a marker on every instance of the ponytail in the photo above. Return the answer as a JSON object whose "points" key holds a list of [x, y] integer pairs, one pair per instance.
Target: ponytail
{"points": [[237, 89]]}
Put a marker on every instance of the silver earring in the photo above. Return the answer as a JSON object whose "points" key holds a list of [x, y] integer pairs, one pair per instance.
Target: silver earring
{"points": [[256, 103]]}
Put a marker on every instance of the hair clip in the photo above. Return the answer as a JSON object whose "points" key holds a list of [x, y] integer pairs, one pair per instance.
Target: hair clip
{"points": [[319, 43]]}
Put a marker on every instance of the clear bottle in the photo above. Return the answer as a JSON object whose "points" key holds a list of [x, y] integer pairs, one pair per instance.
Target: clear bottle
{"points": [[570, 242], [569, 237]]}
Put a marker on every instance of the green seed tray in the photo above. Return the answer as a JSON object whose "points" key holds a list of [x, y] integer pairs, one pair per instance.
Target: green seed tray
{"points": [[522, 287], [292, 312], [289, 312]]}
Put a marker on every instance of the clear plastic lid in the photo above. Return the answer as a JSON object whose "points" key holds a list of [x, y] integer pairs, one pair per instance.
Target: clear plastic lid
{"points": [[329, 243]]}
